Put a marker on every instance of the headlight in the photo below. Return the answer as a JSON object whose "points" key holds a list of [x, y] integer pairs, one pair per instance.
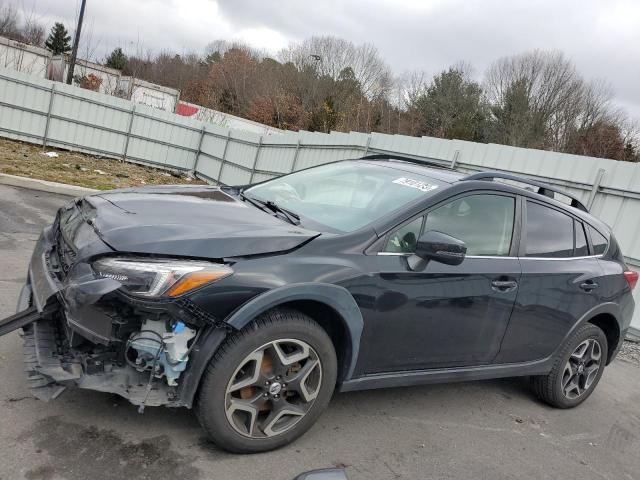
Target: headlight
{"points": [[160, 277]]}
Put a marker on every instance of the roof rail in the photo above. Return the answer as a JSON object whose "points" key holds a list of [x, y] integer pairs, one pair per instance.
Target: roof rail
{"points": [[417, 161], [543, 188]]}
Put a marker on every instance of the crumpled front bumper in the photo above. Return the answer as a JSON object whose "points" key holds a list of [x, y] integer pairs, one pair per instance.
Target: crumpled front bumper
{"points": [[41, 282], [74, 297], [77, 336], [32, 308], [45, 311]]}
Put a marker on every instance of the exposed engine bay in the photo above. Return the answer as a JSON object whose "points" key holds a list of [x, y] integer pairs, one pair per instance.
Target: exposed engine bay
{"points": [[83, 328], [161, 351], [143, 363]]}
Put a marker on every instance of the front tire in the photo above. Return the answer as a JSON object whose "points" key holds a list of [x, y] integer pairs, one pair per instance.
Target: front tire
{"points": [[576, 371], [268, 383]]}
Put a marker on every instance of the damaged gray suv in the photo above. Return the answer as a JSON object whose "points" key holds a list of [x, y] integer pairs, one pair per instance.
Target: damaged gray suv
{"points": [[252, 304]]}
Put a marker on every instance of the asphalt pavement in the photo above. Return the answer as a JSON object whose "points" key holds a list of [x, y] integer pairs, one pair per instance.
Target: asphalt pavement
{"points": [[478, 430]]}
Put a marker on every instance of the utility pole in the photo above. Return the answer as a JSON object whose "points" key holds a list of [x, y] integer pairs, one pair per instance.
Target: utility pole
{"points": [[76, 41], [318, 59]]}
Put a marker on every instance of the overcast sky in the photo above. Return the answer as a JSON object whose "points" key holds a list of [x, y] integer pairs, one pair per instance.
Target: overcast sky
{"points": [[602, 37]]}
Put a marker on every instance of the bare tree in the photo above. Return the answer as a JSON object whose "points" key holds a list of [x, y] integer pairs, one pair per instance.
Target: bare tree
{"points": [[33, 29], [410, 86], [89, 43], [9, 21], [539, 99], [329, 56]]}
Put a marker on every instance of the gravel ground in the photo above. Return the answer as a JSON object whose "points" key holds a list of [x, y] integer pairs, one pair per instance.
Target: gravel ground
{"points": [[27, 160], [631, 352]]}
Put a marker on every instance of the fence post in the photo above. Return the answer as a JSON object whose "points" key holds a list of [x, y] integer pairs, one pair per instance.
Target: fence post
{"points": [[595, 188], [366, 148], [129, 128], [195, 162], [46, 126], [295, 157], [255, 161], [224, 156], [454, 160]]}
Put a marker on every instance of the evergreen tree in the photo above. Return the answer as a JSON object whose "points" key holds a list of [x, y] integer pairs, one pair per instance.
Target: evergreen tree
{"points": [[452, 107], [116, 59], [59, 40]]}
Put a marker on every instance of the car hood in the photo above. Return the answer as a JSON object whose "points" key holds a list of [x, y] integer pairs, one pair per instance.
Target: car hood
{"points": [[193, 221]]}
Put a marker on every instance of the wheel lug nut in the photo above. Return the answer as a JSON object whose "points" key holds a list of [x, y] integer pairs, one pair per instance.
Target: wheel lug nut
{"points": [[267, 382], [265, 395]]}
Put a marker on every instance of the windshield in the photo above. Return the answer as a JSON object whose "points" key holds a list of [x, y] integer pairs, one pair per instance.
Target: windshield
{"points": [[344, 196]]}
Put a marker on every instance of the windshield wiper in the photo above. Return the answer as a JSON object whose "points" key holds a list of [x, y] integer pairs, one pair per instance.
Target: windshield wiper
{"points": [[274, 207]]}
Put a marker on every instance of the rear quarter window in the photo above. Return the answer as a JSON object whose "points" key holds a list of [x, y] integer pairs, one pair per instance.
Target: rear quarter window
{"points": [[582, 248], [600, 243]]}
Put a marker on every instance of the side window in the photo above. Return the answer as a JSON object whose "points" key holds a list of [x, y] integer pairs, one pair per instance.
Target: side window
{"points": [[599, 242], [549, 232], [404, 239], [483, 222], [582, 249]]}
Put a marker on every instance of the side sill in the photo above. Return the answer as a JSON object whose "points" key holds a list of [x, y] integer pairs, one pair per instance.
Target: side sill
{"points": [[446, 375]]}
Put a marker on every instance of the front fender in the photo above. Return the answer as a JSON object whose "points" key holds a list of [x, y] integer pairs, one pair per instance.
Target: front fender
{"points": [[334, 296]]}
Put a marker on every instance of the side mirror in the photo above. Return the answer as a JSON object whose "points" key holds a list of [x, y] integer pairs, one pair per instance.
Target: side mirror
{"points": [[439, 247]]}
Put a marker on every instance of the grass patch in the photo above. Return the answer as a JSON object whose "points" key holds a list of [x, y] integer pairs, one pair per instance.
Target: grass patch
{"points": [[27, 160]]}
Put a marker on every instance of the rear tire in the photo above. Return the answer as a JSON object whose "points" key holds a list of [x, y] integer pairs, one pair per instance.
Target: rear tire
{"points": [[576, 371], [268, 383]]}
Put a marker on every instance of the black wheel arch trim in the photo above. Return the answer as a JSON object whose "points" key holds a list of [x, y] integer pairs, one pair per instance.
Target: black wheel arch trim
{"points": [[609, 308], [199, 359], [334, 296]]}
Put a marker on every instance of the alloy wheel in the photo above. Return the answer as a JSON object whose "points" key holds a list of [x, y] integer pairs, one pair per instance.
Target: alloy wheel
{"points": [[581, 369], [273, 388]]}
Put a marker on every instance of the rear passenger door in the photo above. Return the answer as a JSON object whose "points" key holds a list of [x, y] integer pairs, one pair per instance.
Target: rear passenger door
{"points": [[559, 283]]}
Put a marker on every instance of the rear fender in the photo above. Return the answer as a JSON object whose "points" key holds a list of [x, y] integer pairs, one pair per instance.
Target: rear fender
{"points": [[609, 308]]}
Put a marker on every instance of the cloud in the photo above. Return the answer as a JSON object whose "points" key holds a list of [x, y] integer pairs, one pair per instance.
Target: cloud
{"points": [[600, 37]]}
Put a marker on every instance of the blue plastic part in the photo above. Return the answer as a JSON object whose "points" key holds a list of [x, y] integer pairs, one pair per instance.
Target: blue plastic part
{"points": [[178, 327]]}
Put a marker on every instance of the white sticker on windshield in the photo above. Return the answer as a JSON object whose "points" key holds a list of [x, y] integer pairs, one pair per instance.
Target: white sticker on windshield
{"points": [[410, 182]]}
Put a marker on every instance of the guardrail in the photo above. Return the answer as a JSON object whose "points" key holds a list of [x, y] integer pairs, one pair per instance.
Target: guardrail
{"points": [[53, 114]]}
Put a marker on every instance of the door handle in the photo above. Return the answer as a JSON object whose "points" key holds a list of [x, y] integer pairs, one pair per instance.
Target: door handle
{"points": [[588, 285], [504, 285]]}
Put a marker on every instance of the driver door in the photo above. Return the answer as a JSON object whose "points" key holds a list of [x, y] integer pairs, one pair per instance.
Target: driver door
{"points": [[445, 316]]}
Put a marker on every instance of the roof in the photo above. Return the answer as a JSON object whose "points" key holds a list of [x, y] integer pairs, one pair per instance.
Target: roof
{"points": [[442, 174], [451, 176]]}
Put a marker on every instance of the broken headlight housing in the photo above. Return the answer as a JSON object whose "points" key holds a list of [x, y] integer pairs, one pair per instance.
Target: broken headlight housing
{"points": [[149, 277]]}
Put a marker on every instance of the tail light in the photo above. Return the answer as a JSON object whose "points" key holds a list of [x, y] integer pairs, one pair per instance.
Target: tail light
{"points": [[632, 278]]}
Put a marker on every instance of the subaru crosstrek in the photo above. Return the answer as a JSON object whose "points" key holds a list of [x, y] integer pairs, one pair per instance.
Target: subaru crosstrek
{"points": [[252, 304]]}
